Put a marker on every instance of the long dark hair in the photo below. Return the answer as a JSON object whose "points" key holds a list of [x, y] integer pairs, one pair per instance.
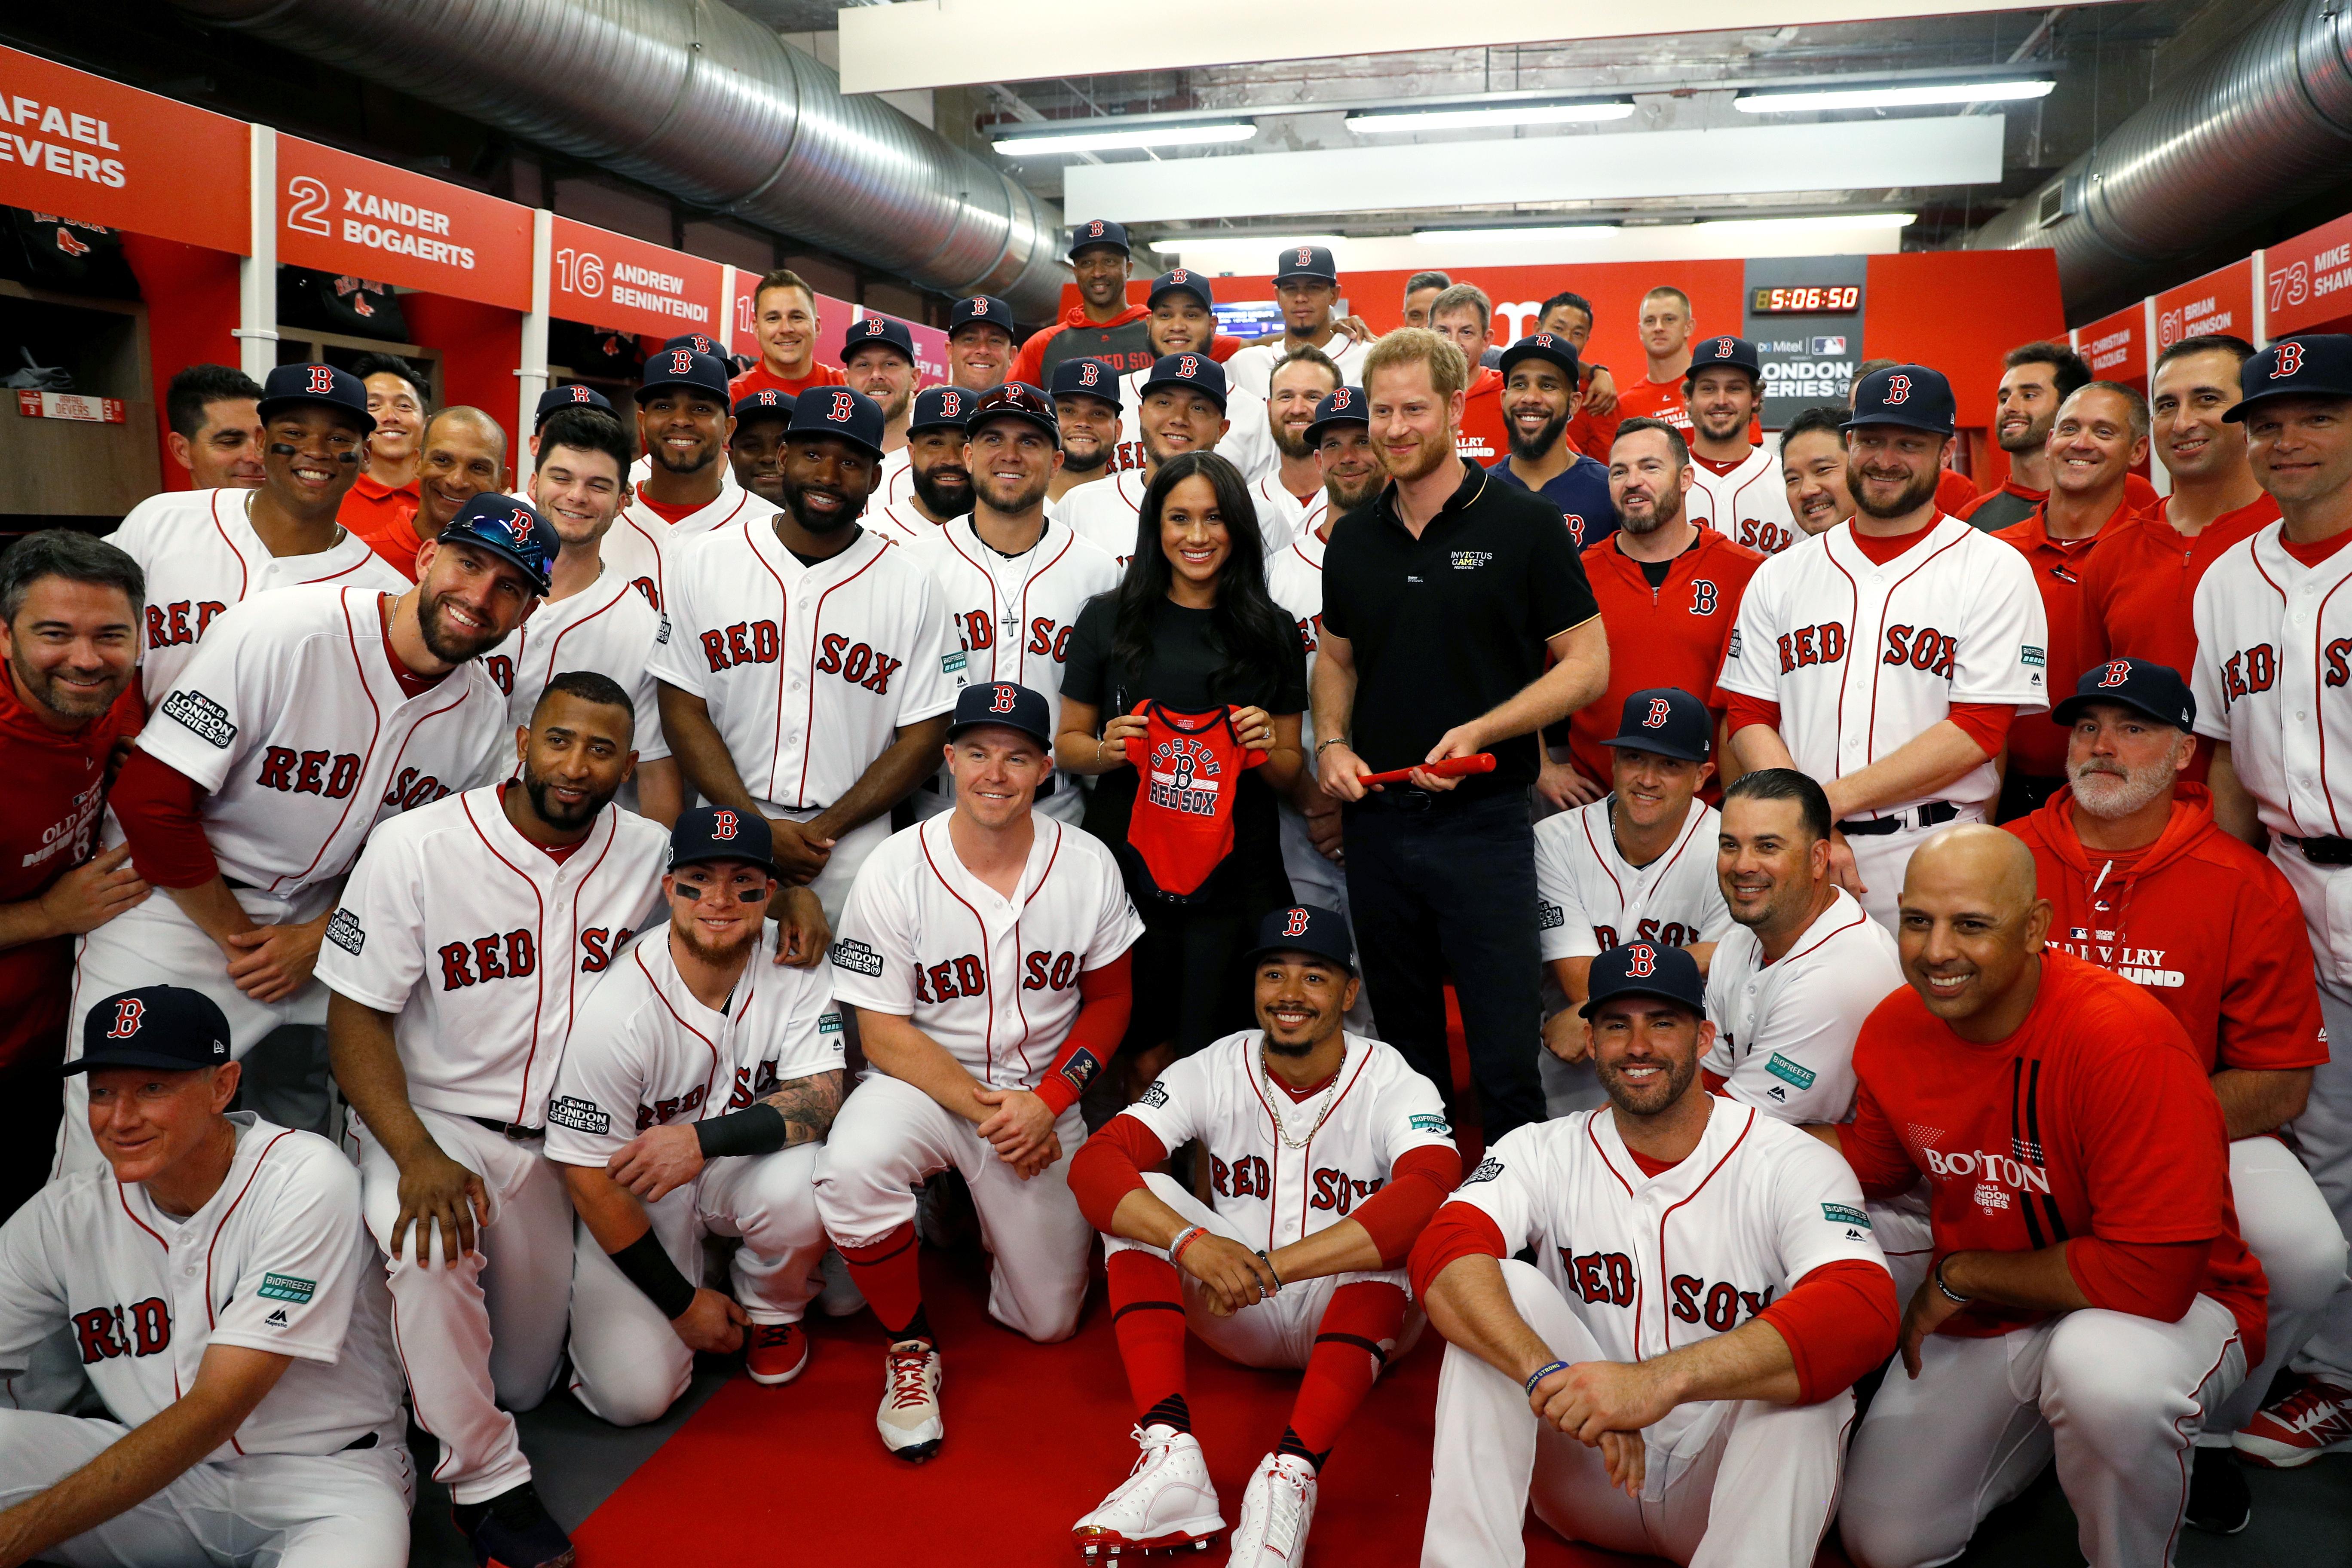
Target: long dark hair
{"points": [[1256, 637]]}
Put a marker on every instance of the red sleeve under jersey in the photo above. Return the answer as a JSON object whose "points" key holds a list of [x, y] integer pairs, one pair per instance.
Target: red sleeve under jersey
{"points": [[1741, 711], [1105, 996], [1840, 1321], [1109, 1166], [1455, 1231], [1986, 724], [1395, 1217], [156, 804]]}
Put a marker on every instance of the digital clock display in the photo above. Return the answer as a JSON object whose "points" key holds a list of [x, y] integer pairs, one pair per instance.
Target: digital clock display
{"points": [[1803, 299]]}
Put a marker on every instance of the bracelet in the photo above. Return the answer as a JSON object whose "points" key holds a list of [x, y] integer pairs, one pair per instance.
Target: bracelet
{"points": [[1262, 1258], [1334, 740], [1949, 1294], [1176, 1247], [1541, 1372]]}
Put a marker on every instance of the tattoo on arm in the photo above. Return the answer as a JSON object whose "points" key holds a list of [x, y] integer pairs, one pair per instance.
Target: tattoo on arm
{"points": [[809, 1104]]}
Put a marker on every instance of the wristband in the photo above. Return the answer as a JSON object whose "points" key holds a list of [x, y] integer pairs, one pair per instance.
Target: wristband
{"points": [[1541, 1372], [1176, 1247], [1949, 1294], [648, 1267], [756, 1130]]}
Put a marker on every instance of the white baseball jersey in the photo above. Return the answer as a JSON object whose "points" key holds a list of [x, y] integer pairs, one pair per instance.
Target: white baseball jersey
{"points": [[643, 469], [277, 1260], [1294, 578], [608, 628], [993, 980], [200, 556], [1649, 1264], [642, 542], [1588, 899], [899, 520], [808, 670], [1749, 505], [1784, 1031], [1248, 442], [483, 946], [1269, 1190], [290, 719], [1252, 368], [1862, 658], [1105, 515], [1270, 495], [647, 1053], [894, 482]]}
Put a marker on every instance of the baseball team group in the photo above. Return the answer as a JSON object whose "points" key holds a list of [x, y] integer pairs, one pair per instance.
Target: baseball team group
{"points": [[512, 918]]}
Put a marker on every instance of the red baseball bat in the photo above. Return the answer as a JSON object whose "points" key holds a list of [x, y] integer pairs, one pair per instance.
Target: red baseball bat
{"points": [[1451, 768]]}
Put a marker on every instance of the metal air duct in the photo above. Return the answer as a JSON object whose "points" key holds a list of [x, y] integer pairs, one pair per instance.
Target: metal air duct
{"points": [[692, 97]]}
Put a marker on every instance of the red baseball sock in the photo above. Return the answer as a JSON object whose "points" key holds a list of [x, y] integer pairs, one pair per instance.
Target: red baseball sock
{"points": [[887, 1276], [1147, 1318], [1351, 1345]]}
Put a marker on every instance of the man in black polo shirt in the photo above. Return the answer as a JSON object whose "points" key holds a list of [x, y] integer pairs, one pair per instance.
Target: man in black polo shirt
{"points": [[1440, 602]]}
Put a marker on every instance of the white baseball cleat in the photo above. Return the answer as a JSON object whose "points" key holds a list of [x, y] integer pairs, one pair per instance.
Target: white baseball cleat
{"points": [[1166, 1503], [909, 1417], [1275, 1511]]}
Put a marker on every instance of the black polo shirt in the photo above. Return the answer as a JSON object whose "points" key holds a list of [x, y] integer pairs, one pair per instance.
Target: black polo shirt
{"points": [[1448, 626]]}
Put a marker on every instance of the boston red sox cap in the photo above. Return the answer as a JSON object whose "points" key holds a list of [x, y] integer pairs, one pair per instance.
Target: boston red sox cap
{"points": [[1005, 702], [1544, 346], [1306, 261], [939, 407], [1182, 281], [1644, 969], [579, 394], [1095, 232], [1666, 719], [1016, 400], [837, 411], [1340, 406], [511, 528], [701, 342], [1198, 371], [290, 385], [985, 308], [166, 1027], [883, 331], [1908, 394], [2154, 690], [1303, 928], [719, 833], [2312, 364], [687, 367], [1712, 353], [1086, 378], [768, 402]]}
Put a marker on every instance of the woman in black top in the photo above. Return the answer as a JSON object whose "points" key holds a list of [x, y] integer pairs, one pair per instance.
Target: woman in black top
{"points": [[1192, 629]]}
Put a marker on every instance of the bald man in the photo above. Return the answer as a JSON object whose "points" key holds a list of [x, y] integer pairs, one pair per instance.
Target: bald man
{"points": [[2090, 1295], [464, 455]]}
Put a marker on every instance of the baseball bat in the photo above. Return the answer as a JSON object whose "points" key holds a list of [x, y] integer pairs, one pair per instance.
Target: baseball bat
{"points": [[1451, 768]]}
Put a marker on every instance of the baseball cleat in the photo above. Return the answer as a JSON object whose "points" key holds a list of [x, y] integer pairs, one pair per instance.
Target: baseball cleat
{"points": [[1166, 1504], [2315, 1419], [2220, 1502], [909, 1417], [1275, 1511], [775, 1352], [513, 1530]]}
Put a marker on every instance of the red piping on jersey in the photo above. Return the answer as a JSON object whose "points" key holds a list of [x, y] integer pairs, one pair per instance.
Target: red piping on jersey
{"points": [[1854, 615], [539, 935], [1665, 1320], [359, 668], [1021, 1008], [2317, 617], [2197, 1413], [784, 665], [987, 970], [638, 957], [1610, 1166], [1599, 860], [1021, 638], [1307, 1155], [1884, 601], [243, 572], [2255, 557], [1859, 919], [219, 1225], [808, 725], [556, 648], [571, 965], [166, 1245]]}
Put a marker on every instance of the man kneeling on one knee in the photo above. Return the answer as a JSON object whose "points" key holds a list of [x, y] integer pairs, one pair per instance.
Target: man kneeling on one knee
{"points": [[1706, 1289]]}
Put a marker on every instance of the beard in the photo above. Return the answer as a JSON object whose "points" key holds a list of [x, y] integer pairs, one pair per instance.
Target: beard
{"points": [[444, 640], [1916, 494], [940, 497], [1076, 462], [716, 954], [64, 701], [1346, 499], [1010, 500], [2030, 439], [2107, 795], [1656, 1096], [1536, 447], [663, 456], [1294, 447], [1424, 462], [1665, 509], [555, 814], [847, 515]]}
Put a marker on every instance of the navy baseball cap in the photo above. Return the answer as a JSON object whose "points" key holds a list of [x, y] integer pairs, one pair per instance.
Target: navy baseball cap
{"points": [[1086, 378], [1183, 280], [1005, 702], [1908, 394], [1198, 371], [166, 1027], [1306, 261], [938, 408], [1303, 928], [701, 342], [1549, 346], [985, 308], [766, 403], [837, 411], [1644, 969], [2316, 364], [577, 395], [1340, 406], [1666, 719], [888, 332], [2154, 690], [1098, 231], [1016, 400], [511, 528], [721, 833], [685, 366], [291, 384], [1709, 354]]}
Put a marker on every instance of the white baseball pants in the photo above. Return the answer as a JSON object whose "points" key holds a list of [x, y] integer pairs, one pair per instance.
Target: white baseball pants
{"points": [[2286, 1224], [891, 1137], [628, 1365], [264, 1510], [486, 1330], [1757, 1491], [1881, 858], [2119, 1397]]}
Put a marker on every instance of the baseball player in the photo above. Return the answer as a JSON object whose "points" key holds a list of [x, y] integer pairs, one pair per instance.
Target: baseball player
{"points": [[1306, 287], [1536, 398], [1665, 324], [1301, 380], [1631, 867], [1087, 402], [932, 483], [205, 549], [1886, 657], [1705, 1290], [1181, 407], [386, 495], [810, 666], [225, 1302], [986, 952], [755, 445], [1102, 325], [980, 343], [463, 454], [1812, 470], [1593, 426], [877, 358], [786, 322], [213, 431], [692, 1099], [2270, 631], [2089, 1295], [642, 469], [685, 421], [1183, 322], [1736, 484], [1328, 1154], [1013, 579]]}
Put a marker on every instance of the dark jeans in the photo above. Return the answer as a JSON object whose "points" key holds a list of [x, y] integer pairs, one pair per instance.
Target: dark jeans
{"points": [[1453, 887]]}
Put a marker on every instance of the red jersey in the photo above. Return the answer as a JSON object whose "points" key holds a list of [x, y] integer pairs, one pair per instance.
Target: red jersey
{"points": [[2093, 1120], [1954, 492], [2198, 921], [1482, 439], [2138, 496], [2036, 745], [1182, 821], [760, 378], [1674, 635], [56, 786], [1647, 399], [372, 510], [2137, 591]]}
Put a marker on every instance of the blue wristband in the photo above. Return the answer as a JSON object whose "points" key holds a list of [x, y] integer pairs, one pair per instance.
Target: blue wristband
{"points": [[1541, 1372]]}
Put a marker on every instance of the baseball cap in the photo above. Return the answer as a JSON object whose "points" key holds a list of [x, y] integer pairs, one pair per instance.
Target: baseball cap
{"points": [[1098, 231], [1709, 354], [1644, 969], [2316, 364], [1306, 261], [886, 331], [1908, 394], [687, 367], [1340, 406], [1005, 702], [1198, 371], [579, 394], [1086, 378], [765, 403], [1016, 400], [2154, 690], [509, 527], [837, 411], [1304, 928], [1183, 280], [701, 342], [1666, 719], [721, 833], [985, 308], [291, 385], [939, 407], [1544, 346], [166, 1027]]}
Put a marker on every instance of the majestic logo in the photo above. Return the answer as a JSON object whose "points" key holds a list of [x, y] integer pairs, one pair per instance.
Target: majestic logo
{"points": [[2117, 674], [723, 826], [1641, 960], [127, 1014], [844, 405], [1001, 696], [1899, 389], [1295, 923], [322, 380], [1660, 710], [2290, 359]]}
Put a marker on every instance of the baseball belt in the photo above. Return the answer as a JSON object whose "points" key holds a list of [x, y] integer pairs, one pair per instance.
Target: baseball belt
{"points": [[2322, 851], [1928, 815], [514, 1130]]}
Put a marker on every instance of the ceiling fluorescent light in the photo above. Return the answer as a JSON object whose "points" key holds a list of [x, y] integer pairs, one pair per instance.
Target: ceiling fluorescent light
{"points": [[1891, 96], [1106, 140], [1826, 221], [1274, 244], [1530, 234], [1399, 121]]}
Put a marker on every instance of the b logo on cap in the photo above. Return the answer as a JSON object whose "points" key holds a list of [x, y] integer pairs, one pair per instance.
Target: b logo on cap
{"points": [[1342, 398], [1641, 960], [979, 306], [1543, 340], [1094, 229], [2118, 673], [701, 344], [681, 361], [2290, 358], [322, 380], [723, 826], [518, 524], [767, 398], [1180, 276], [842, 408], [1306, 256], [1723, 348], [1188, 366], [950, 404], [1297, 924], [1660, 710], [1090, 374], [579, 393], [999, 699], [1898, 387], [127, 1013]]}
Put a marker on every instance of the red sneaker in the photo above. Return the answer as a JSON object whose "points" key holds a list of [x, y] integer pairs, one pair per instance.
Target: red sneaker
{"points": [[775, 1352], [2315, 1419]]}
